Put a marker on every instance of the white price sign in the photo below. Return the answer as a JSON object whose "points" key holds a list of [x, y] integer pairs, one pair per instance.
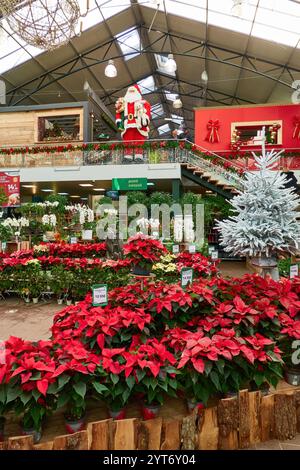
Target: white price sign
{"points": [[73, 240], [294, 271], [175, 249], [187, 275], [211, 249], [192, 248], [3, 246], [214, 255], [100, 292]]}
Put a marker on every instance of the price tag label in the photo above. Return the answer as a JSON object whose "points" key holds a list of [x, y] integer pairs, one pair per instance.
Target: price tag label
{"points": [[211, 249], [100, 295], [192, 248], [155, 235], [294, 271], [3, 246], [175, 249], [214, 255], [187, 275], [73, 240]]}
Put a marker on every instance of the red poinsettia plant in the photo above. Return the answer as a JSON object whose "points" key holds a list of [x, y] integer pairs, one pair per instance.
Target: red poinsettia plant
{"points": [[143, 250]]}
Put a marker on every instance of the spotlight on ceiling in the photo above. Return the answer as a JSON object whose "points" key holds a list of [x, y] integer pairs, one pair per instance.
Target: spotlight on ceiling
{"points": [[111, 70]]}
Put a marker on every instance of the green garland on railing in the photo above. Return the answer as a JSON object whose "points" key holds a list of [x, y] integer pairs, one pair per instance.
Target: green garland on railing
{"points": [[148, 145]]}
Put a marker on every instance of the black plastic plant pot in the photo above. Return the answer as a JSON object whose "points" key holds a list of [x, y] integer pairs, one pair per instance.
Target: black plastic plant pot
{"points": [[141, 270], [73, 425], [292, 376], [37, 435], [2, 425]]}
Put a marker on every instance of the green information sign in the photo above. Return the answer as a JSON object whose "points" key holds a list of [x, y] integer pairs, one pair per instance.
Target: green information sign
{"points": [[129, 184]]}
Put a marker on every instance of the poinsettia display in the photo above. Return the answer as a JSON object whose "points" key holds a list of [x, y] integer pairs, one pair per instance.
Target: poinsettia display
{"points": [[143, 250], [153, 340]]}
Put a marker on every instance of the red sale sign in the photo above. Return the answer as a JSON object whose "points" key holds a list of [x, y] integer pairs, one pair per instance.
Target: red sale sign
{"points": [[11, 186]]}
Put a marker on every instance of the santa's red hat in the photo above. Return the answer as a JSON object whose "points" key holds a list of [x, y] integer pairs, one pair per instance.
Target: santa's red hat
{"points": [[137, 88]]}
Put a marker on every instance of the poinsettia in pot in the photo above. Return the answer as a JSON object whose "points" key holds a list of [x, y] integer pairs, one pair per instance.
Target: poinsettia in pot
{"points": [[110, 387], [72, 390], [30, 384], [143, 251], [152, 367]]}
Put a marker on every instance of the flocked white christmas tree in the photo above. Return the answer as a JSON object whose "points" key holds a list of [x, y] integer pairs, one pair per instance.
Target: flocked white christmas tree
{"points": [[265, 224]]}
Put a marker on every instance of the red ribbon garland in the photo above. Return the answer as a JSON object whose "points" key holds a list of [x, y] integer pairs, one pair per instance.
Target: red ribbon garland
{"points": [[213, 134], [296, 132]]}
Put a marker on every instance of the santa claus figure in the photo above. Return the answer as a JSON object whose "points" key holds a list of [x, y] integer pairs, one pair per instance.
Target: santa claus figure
{"points": [[133, 118]]}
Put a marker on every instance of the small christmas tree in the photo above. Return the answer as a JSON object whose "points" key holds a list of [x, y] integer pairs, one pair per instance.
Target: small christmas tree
{"points": [[265, 225]]}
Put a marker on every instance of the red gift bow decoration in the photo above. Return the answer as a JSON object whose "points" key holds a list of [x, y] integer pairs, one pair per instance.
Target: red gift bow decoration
{"points": [[213, 134], [296, 132]]}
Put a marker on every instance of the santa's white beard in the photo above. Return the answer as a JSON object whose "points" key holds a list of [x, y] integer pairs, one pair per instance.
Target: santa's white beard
{"points": [[131, 97]]}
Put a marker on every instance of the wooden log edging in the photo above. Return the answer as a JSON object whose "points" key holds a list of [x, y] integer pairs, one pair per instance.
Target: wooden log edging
{"points": [[235, 423]]}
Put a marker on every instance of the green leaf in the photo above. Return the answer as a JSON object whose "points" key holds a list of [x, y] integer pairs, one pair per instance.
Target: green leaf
{"points": [[2, 394], [140, 374], [99, 388], [62, 380], [80, 388], [114, 378], [173, 383], [126, 395], [215, 379], [258, 378], [25, 397], [36, 394], [52, 389], [12, 394], [63, 398], [208, 367], [220, 365], [164, 386], [130, 381]]}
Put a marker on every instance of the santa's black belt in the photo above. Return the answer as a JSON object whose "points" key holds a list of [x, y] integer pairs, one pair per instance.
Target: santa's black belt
{"points": [[130, 117]]}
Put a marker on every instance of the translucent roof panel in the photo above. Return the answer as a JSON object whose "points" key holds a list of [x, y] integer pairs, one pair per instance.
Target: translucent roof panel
{"points": [[130, 43], [147, 85], [14, 51], [162, 61], [157, 110], [170, 96], [273, 20], [163, 129]]}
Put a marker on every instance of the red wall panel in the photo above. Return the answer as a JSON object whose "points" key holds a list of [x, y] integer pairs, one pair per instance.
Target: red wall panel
{"points": [[227, 115]]}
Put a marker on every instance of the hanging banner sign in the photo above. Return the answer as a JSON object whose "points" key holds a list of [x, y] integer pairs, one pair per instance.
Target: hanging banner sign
{"points": [[11, 187], [100, 295], [294, 271], [187, 275]]}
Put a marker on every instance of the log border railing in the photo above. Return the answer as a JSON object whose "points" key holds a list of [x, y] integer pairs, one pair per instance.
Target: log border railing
{"points": [[234, 423]]}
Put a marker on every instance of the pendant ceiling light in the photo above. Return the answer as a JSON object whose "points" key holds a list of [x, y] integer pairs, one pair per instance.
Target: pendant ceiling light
{"points": [[204, 76], [111, 70], [171, 65], [177, 104], [238, 7], [46, 24]]}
